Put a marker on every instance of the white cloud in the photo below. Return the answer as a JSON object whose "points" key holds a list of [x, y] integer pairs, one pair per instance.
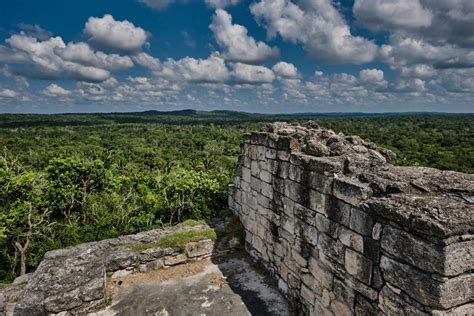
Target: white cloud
{"points": [[147, 61], [389, 14], [371, 75], [121, 36], [47, 64], [157, 4], [244, 73], [284, 69], [235, 42], [219, 4], [7, 93], [212, 69], [318, 26], [81, 53], [55, 90]]}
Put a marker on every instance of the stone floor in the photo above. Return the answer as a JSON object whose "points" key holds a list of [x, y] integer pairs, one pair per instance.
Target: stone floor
{"points": [[228, 287]]}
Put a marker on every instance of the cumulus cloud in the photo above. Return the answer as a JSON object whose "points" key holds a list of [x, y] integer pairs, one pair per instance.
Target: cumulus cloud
{"points": [[157, 4], [212, 69], [7, 93], [45, 63], [35, 30], [121, 36], [53, 59], [83, 54], [286, 70], [318, 25], [388, 14], [219, 4], [147, 61], [235, 42], [55, 90], [244, 73]]}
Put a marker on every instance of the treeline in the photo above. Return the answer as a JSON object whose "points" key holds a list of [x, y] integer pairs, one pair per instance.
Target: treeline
{"points": [[62, 184]]}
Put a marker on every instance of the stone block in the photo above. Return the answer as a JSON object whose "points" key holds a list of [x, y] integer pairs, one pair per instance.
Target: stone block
{"points": [[358, 266], [255, 184], [271, 153], [266, 176], [200, 248], [442, 293], [392, 303], [351, 191], [338, 210], [174, 260], [246, 174], [283, 169], [295, 173], [283, 155], [254, 168], [320, 182], [351, 239], [361, 222], [377, 231], [325, 225], [317, 201], [307, 294], [266, 189], [415, 251], [331, 248], [321, 274]]}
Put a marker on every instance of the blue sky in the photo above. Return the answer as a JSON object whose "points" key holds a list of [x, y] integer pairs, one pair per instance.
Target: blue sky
{"points": [[258, 56]]}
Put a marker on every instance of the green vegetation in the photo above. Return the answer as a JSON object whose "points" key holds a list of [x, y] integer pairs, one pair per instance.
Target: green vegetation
{"points": [[177, 239], [68, 179], [192, 222]]}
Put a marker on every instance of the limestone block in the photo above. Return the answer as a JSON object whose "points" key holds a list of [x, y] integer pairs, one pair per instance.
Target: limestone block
{"points": [[413, 250], [358, 266], [261, 153], [320, 273], [338, 210], [331, 248], [317, 201], [325, 225], [266, 189], [174, 260], [350, 191], [351, 239], [295, 191], [119, 258], [246, 174], [254, 168], [283, 155], [361, 222], [391, 303], [200, 248], [307, 294], [283, 169], [295, 173], [320, 182], [310, 234], [377, 231], [266, 176], [255, 184], [271, 153], [443, 293], [245, 186]]}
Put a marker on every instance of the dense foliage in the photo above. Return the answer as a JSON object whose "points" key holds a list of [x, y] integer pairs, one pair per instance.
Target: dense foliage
{"points": [[67, 179]]}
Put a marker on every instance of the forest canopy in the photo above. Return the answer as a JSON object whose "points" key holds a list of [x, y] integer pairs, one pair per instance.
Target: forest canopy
{"points": [[68, 179]]}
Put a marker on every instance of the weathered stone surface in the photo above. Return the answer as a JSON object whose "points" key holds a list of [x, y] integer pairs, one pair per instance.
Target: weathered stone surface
{"points": [[358, 266], [396, 240], [391, 303], [415, 251], [200, 248], [426, 290]]}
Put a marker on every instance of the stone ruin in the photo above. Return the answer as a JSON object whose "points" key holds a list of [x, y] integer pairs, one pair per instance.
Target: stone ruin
{"points": [[73, 280], [344, 231]]}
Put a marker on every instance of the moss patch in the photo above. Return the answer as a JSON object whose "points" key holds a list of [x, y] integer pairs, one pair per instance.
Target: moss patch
{"points": [[178, 239], [192, 222]]}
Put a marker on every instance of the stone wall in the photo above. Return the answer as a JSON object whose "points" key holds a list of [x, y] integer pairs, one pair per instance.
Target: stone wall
{"points": [[72, 281], [346, 232]]}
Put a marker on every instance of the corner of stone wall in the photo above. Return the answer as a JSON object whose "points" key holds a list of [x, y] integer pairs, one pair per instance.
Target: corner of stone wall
{"points": [[344, 232]]}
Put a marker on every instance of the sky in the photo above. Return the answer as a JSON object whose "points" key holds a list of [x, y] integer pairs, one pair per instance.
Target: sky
{"points": [[268, 56]]}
